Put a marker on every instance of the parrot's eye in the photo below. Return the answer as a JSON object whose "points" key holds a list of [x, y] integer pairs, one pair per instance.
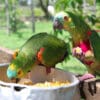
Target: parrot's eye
{"points": [[20, 72], [65, 18]]}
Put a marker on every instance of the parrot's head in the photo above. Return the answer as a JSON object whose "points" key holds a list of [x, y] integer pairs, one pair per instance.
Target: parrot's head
{"points": [[14, 72], [20, 66], [61, 21]]}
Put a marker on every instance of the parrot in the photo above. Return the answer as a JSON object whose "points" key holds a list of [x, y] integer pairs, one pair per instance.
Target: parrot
{"points": [[86, 41], [40, 49]]}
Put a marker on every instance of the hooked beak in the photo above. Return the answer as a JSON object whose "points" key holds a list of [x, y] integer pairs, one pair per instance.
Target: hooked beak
{"points": [[57, 25], [15, 80]]}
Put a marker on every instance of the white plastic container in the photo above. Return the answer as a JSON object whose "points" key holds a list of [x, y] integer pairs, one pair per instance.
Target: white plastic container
{"points": [[38, 74]]}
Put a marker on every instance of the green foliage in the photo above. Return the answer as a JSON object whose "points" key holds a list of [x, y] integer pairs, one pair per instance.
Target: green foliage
{"points": [[22, 11], [13, 21], [23, 2], [12, 15], [2, 12], [2, 17], [2, 1], [38, 12], [25, 11], [72, 5], [98, 1]]}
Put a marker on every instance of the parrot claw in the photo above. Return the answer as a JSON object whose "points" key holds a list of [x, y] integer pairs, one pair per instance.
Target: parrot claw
{"points": [[15, 80], [91, 80], [92, 87], [48, 70]]}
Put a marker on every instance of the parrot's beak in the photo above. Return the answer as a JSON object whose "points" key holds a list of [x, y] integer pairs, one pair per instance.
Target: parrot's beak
{"points": [[15, 80], [57, 25]]}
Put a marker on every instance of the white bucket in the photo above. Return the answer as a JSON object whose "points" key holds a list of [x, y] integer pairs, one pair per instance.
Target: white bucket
{"points": [[38, 74]]}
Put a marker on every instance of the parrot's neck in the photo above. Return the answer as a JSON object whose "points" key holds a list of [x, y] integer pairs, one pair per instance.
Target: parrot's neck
{"points": [[78, 36]]}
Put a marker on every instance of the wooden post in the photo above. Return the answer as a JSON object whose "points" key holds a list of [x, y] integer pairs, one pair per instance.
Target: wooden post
{"points": [[14, 27], [7, 15], [30, 3]]}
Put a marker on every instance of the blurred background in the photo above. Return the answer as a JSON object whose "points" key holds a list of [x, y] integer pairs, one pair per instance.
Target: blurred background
{"points": [[20, 19]]}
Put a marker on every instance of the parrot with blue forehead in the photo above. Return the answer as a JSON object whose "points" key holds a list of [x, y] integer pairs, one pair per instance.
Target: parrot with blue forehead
{"points": [[40, 49], [86, 44], [85, 40]]}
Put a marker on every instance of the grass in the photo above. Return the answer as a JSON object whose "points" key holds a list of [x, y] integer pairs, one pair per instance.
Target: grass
{"points": [[15, 40]]}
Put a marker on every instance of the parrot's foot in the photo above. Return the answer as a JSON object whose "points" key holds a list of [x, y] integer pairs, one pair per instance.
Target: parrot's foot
{"points": [[86, 76], [15, 80], [91, 80], [92, 86], [48, 70]]}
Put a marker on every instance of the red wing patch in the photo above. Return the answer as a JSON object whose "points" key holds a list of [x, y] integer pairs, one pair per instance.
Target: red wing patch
{"points": [[39, 54]]}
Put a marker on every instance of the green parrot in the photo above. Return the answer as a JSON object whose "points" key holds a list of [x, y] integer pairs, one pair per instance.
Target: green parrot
{"points": [[86, 45], [42, 48], [85, 40]]}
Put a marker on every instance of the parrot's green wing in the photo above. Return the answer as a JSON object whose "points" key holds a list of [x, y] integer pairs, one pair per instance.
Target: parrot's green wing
{"points": [[95, 42], [52, 49]]}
